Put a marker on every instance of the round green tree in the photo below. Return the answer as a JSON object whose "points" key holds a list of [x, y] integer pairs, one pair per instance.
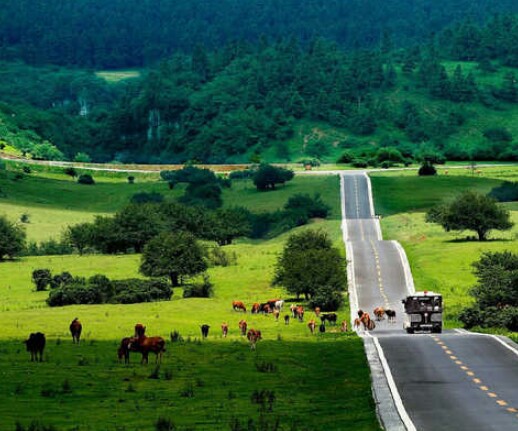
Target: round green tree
{"points": [[12, 239], [173, 255]]}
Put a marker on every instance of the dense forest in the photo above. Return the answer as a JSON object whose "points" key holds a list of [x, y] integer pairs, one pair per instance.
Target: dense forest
{"points": [[228, 83], [136, 33]]}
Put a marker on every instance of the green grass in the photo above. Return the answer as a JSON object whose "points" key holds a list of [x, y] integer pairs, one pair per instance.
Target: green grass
{"points": [[320, 380]]}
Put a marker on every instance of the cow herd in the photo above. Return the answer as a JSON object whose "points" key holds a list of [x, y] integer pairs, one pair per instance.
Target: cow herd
{"points": [[139, 342]]}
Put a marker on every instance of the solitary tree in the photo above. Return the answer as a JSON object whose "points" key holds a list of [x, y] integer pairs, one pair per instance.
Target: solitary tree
{"points": [[41, 278], [12, 239], [268, 176], [310, 266], [173, 255], [471, 211]]}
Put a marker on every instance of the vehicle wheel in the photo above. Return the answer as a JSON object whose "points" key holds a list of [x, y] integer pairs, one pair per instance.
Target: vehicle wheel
{"points": [[409, 330], [437, 330]]}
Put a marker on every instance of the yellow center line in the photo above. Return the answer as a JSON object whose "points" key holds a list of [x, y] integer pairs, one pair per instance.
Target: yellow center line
{"points": [[492, 394], [478, 381], [512, 410], [501, 403], [484, 388], [470, 373]]}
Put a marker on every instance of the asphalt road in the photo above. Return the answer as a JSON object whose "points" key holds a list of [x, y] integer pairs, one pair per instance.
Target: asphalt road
{"points": [[453, 381]]}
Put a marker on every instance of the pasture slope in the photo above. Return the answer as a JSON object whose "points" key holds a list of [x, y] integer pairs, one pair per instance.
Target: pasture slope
{"points": [[301, 381]]}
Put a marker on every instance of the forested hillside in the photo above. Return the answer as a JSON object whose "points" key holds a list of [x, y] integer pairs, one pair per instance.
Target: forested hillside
{"points": [[254, 85]]}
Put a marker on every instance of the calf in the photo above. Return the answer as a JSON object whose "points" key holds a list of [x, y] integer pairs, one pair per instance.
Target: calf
{"points": [[36, 345], [123, 350], [343, 327], [330, 317], [276, 314], [204, 331], [255, 307], [299, 313], [224, 329], [357, 323], [322, 328], [287, 319], [293, 307], [379, 312], [312, 325], [253, 336], [75, 330], [242, 326], [140, 330]]}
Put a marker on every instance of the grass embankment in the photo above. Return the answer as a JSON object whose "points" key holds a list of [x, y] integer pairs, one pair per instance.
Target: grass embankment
{"points": [[320, 380], [440, 261]]}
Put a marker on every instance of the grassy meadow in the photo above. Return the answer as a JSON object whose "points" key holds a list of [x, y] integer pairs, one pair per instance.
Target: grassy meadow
{"points": [[440, 261], [320, 380]]}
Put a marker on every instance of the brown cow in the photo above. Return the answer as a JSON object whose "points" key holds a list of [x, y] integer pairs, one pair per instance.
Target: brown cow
{"points": [[312, 325], [272, 302], [255, 307], [253, 336], [343, 327], [238, 305], [368, 323], [144, 345], [379, 312], [276, 314], [140, 330], [317, 311], [35, 345], [224, 329], [299, 312], [357, 323], [123, 350], [265, 308], [75, 330], [242, 326]]}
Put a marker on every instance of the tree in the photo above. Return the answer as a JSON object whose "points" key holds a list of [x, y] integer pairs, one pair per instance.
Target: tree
{"points": [[268, 176], [173, 255], [496, 292], [80, 236], [471, 211], [71, 172], [427, 169], [228, 224], [310, 266], [12, 239], [41, 278]]}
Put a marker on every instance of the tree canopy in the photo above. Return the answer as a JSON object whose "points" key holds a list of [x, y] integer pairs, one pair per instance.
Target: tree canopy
{"points": [[471, 211], [12, 239]]}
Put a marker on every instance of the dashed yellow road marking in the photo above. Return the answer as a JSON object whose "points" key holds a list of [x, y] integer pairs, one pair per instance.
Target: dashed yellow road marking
{"points": [[448, 352], [492, 395], [501, 403], [463, 367], [477, 381], [470, 373], [512, 410], [484, 388], [458, 362], [453, 357]]}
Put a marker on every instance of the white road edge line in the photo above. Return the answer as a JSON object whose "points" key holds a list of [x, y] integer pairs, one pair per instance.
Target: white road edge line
{"points": [[353, 305], [371, 204], [392, 385], [409, 280], [507, 346]]}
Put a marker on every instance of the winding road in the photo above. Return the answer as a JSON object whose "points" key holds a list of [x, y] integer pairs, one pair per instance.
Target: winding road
{"points": [[451, 381]]}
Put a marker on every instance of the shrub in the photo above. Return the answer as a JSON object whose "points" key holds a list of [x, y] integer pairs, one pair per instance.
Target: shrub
{"points": [[27, 170], [71, 172], [49, 247], [219, 257], [12, 239], [427, 169], [199, 290], [25, 218], [268, 176], [41, 278], [506, 192], [346, 157], [311, 206], [131, 179], [163, 424], [359, 163], [86, 179], [242, 175], [147, 197]]}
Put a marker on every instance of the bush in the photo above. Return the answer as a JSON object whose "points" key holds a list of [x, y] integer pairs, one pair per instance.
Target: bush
{"points": [[12, 239], [50, 247], [427, 169], [131, 179], [327, 299], [246, 174], [219, 257], [311, 206], [71, 172], [268, 176], [199, 290], [359, 163], [346, 157], [506, 192], [41, 278], [27, 170], [86, 179]]}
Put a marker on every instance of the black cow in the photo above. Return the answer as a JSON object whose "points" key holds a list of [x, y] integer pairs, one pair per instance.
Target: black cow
{"points": [[391, 315], [330, 317], [322, 328], [287, 319], [204, 330], [35, 345]]}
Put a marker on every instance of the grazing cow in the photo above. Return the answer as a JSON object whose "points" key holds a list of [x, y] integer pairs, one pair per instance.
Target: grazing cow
{"points": [[255, 307], [293, 307], [123, 350], [205, 331], [238, 305], [265, 308], [144, 345], [360, 313], [224, 329], [391, 314], [286, 319], [272, 302], [322, 328], [312, 325], [299, 313], [343, 327], [276, 314], [75, 330], [140, 330], [379, 312], [330, 317], [253, 336], [368, 323], [242, 326], [317, 311], [279, 304], [35, 345]]}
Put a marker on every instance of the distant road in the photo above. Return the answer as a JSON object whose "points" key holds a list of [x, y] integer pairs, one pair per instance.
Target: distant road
{"points": [[453, 381]]}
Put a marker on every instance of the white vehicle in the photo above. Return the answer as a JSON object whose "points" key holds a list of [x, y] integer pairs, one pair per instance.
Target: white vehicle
{"points": [[424, 312]]}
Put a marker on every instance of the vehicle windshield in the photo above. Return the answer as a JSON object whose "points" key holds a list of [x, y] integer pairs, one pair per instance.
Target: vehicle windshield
{"points": [[423, 303]]}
